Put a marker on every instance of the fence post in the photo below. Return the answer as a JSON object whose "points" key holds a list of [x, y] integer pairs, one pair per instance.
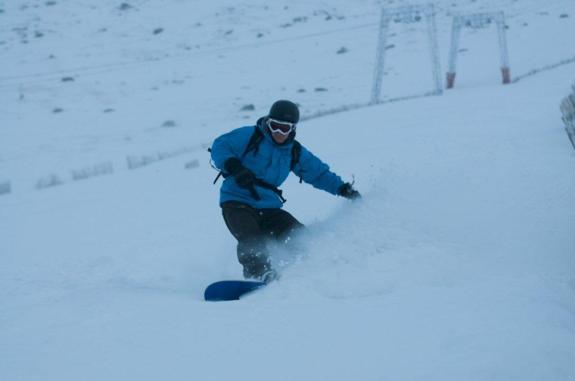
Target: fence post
{"points": [[5, 187], [568, 110]]}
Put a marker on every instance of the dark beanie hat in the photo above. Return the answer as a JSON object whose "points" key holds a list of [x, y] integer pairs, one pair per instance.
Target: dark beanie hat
{"points": [[285, 111]]}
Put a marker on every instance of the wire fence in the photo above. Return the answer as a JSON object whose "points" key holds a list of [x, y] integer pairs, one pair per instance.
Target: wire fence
{"points": [[568, 111]]}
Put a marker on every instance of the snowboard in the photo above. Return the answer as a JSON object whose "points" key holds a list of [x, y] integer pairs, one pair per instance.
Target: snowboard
{"points": [[230, 289]]}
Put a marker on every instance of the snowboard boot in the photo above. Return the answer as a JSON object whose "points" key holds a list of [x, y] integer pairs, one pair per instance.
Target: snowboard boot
{"points": [[269, 276], [255, 265]]}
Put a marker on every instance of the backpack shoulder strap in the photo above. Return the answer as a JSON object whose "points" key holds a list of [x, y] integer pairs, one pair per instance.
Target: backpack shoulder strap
{"points": [[295, 154], [254, 142]]}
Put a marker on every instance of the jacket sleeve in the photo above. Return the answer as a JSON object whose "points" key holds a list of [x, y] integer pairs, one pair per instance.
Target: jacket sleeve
{"points": [[231, 144], [315, 172]]}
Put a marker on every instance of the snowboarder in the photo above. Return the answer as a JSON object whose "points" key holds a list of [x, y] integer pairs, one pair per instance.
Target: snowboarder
{"points": [[255, 161]]}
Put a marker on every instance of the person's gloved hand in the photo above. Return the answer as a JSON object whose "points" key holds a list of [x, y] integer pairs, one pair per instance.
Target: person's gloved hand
{"points": [[243, 176], [346, 190]]}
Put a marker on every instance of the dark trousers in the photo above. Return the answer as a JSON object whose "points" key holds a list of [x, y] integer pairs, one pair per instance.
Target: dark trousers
{"points": [[253, 228]]}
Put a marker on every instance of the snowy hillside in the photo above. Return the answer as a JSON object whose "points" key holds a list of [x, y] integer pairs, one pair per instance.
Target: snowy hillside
{"points": [[456, 265], [89, 83]]}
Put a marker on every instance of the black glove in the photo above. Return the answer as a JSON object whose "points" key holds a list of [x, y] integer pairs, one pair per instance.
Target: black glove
{"points": [[347, 191], [243, 176]]}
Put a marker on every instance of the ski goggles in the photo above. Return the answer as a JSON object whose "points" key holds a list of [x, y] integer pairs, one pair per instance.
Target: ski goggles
{"points": [[284, 128]]}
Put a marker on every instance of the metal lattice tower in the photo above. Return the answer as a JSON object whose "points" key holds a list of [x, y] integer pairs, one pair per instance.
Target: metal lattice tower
{"points": [[478, 21], [406, 15]]}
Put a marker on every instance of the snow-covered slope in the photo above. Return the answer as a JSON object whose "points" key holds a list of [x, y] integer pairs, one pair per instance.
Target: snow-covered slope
{"points": [[457, 264]]}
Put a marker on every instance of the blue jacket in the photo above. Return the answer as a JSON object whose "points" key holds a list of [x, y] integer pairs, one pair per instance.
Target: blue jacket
{"points": [[271, 163]]}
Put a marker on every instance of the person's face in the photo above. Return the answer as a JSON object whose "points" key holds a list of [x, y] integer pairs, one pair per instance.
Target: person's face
{"points": [[279, 138], [280, 130]]}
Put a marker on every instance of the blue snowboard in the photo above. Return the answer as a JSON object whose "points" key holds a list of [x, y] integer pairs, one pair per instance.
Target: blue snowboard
{"points": [[230, 289]]}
